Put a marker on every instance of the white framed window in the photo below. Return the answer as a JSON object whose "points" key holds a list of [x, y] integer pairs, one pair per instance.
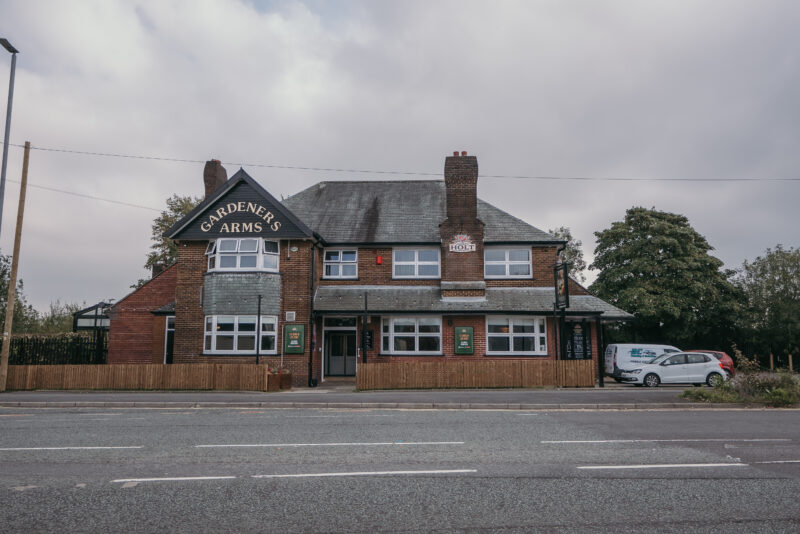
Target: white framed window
{"points": [[411, 335], [237, 334], [242, 254], [507, 262], [340, 263], [516, 336], [415, 262]]}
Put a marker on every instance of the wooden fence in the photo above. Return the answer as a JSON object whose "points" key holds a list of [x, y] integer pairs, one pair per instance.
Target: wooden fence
{"points": [[200, 376], [478, 374]]}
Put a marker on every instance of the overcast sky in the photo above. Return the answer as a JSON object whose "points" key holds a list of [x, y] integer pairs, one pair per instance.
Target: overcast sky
{"points": [[596, 89]]}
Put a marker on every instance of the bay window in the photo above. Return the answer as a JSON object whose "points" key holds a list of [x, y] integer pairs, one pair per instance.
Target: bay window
{"points": [[411, 335], [245, 254], [237, 334], [516, 336]]}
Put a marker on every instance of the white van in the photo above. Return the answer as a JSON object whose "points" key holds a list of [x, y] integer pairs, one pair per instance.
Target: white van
{"points": [[625, 356]]}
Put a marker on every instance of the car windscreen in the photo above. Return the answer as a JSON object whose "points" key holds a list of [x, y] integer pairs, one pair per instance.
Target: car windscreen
{"points": [[659, 359]]}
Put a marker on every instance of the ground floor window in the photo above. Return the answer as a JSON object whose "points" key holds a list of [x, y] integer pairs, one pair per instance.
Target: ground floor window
{"points": [[411, 335], [236, 334], [516, 335]]}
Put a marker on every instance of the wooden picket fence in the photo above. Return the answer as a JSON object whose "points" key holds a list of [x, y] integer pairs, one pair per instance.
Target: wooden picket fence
{"points": [[477, 374], [191, 376]]}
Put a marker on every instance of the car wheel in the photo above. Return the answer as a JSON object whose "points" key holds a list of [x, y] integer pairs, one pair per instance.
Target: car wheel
{"points": [[651, 380], [714, 379]]}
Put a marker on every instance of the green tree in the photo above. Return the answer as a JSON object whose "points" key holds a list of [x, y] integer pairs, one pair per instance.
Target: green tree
{"points": [[57, 319], [25, 317], [656, 266], [771, 316], [163, 250], [573, 253]]}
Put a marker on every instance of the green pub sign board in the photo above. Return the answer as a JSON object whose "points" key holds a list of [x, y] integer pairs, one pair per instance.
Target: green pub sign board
{"points": [[294, 338], [464, 340]]}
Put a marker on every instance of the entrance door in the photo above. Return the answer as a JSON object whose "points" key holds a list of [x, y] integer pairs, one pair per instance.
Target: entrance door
{"points": [[340, 353]]}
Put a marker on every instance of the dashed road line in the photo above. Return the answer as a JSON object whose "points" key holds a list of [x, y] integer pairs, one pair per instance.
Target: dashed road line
{"points": [[701, 440], [658, 466], [371, 473], [384, 443], [68, 448], [168, 479]]}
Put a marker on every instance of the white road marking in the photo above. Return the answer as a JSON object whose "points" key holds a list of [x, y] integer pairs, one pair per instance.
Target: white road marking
{"points": [[67, 448], [780, 462], [168, 479], [371, 473], [22, 488], [275, 445], [132, 482], [663, 440], [657, 466]]}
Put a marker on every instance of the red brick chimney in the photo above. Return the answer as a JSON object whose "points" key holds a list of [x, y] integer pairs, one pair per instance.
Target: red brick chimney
{"points": [[461, 184], [462, 231], [214, 175]]}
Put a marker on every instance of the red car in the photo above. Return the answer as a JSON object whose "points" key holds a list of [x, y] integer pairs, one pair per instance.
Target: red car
{"points": [[724, 359]]}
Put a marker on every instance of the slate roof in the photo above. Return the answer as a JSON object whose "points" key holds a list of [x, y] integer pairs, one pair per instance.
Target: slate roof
{"points": [[396, 212], [410, 299]]}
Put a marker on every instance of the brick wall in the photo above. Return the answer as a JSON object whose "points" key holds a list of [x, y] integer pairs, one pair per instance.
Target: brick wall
{"points": [[189, 318], [131, 330]]}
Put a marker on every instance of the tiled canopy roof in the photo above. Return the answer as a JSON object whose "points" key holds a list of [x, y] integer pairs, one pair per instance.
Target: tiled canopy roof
{"points": [[413, 299]]}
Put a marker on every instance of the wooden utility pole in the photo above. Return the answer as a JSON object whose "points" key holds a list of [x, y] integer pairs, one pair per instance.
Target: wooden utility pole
{"points": [[12, 280]]}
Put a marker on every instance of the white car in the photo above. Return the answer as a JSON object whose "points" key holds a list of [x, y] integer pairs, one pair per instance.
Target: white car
{"points": [[678, 368]]}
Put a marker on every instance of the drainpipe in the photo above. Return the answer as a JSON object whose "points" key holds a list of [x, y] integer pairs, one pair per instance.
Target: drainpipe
{"points": [[312, 382], [560, 322]]}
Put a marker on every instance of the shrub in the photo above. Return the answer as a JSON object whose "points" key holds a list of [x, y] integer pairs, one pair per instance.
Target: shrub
{"points": [[742, 363], [773, 389]]}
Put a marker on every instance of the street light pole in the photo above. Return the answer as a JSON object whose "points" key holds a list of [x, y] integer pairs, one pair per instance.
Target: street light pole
{"points": [[8, 46]]}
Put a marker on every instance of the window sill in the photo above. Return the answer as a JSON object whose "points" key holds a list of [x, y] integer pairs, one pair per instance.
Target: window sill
{"points": [[516, 354], [411, 354], [507, 277], [340, 278], [242, 271], [234, 354]]}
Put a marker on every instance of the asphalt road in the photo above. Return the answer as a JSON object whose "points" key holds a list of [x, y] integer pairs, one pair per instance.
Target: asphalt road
{"points": [[287, 470]]}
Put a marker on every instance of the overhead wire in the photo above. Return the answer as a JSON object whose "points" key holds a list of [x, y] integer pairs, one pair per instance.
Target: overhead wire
{"points": [[358, 171]]}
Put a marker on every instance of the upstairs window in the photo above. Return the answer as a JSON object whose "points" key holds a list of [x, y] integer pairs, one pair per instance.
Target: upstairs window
{"points": [[506, 262], [237, 334], [340, 264], [245, 254], [415, 263]]}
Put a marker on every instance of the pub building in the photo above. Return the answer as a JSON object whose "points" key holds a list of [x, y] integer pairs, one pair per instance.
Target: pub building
{"points": [[355, 271]]}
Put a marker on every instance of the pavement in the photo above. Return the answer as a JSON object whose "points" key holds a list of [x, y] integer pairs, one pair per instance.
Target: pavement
{"points": [[343, 395]]}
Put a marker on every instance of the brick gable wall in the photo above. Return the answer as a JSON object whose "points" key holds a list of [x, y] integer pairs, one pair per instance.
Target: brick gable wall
{"points": [[133, 328]]}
